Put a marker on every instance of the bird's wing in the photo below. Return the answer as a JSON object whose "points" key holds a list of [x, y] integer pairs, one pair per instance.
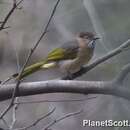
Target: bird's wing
{"points": [[68, 50]]}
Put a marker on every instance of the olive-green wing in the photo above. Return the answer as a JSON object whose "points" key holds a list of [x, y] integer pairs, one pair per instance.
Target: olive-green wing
{"points": [[69, 50]]}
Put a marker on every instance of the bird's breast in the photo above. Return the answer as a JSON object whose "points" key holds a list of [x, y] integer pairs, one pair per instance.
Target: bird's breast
{"points": [[74, 65], [84, 55]]}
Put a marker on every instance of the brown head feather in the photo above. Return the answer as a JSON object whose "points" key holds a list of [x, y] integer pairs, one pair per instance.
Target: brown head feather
{"points": [[86, 35]]}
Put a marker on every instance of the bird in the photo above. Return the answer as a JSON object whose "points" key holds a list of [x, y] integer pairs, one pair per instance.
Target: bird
{"points": [[69, 58]]}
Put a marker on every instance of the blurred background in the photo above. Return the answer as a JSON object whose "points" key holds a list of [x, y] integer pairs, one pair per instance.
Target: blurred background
{"points": [[108, 19]]}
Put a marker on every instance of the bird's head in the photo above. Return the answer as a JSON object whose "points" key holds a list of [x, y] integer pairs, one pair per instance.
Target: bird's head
{"points": [[87, 38]]}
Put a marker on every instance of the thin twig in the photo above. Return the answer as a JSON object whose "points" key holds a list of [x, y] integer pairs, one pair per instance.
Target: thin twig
{"points": [[14, 119], [61, 118], [15, 107], [122, 75], [27, 60], [12, 100], [6, 124], [15, 5], [37, 121]]}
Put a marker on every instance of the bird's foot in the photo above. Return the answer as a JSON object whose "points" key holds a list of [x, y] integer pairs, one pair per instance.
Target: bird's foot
{"points": [[69, 76]]}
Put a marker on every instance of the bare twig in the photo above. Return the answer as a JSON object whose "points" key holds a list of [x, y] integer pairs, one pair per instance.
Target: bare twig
{"points": [[15, 107], [122, 75], [37, 121], [61, 118], [15, 89], [100, 60], [14, 119], [6, 124], [27, 60], [15, 5]]}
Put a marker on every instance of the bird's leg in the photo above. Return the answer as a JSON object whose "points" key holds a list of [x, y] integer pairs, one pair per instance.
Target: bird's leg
{"points": [[82, 68], [69, 76]]}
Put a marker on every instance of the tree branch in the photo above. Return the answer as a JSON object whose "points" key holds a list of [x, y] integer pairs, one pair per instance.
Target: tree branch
{"points": [[100, 60], [16, 87], [37, 121], [65, 86], [14, 7], [60, 119], [14, 112], [124, 72]]}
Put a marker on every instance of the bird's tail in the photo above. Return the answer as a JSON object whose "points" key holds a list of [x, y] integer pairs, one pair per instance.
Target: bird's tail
{"points": [[30, 69]]}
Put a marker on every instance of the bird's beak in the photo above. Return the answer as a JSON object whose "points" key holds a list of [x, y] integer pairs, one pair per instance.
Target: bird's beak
{"points": [[96, 38]]}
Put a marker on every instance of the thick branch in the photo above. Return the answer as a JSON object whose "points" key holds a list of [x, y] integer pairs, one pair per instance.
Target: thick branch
{"points": [[61, 86]]}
